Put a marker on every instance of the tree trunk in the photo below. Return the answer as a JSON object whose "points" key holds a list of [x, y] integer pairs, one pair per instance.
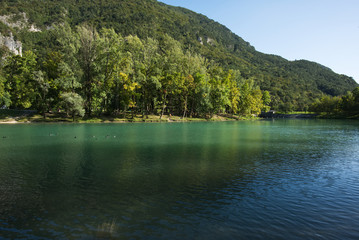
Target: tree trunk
{"points": [[192, 107], [44, 106], [117, 98], [185, 108], [164, 106]]}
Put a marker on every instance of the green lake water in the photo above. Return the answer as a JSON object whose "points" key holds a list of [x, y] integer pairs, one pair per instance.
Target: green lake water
{"points": [[282, 179]]}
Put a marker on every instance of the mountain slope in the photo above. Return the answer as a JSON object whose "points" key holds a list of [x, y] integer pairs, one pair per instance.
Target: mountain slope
{"points": [[295, 84]]}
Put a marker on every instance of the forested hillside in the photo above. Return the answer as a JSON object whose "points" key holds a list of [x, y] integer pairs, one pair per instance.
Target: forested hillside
{"points": [[166, 39]]}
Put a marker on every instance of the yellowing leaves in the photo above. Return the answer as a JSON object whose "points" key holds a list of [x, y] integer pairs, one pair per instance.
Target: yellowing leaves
{"points": [[131, 86]]}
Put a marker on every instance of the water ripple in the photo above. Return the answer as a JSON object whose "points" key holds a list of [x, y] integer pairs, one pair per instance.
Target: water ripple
{"points": [[242, 180]]}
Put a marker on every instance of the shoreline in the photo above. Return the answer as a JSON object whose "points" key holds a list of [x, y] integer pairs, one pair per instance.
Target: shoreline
{"points": [[136, 119], [155, 119], [9, 122]]}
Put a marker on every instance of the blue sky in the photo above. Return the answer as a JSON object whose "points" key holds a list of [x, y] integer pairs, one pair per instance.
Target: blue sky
{"points": [[323, 31]]}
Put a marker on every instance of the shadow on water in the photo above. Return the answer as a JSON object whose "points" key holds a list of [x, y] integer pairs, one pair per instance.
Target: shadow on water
{"points": [[160, 180]]}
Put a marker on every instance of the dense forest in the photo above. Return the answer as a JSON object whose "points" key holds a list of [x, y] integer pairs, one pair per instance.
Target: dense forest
{"points": [[105, 73], [144, 56], [346, 106]]}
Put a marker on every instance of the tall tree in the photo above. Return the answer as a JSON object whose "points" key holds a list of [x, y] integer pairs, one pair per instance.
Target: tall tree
{"points": [[112, 62], [19, 72], [172, 54], [43, 87], [219, 94], [134, 48], [4, 95], [73, 104], [251, 101], [150, 84], [266, 101], [87, 56]]}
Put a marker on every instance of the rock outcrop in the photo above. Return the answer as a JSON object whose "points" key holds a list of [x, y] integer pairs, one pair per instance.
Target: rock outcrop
{"points": [[21, 22], [13, 45]]}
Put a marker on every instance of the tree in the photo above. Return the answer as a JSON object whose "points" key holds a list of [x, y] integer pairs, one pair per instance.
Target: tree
{"points": [[256, 101], [73, 104], [201, 104], [192, 66], [19, 74], [266, 98], [185, 87], [127, 90], [87, 56], [151, 69], [219, 93], [42, 91], [356, 94], [172, 54], [4, 95], [112, 60], [347, 103], [251, 100], [134, 49], [234, 91], [66, 80], [69, 44], [50, 68], [329, 104]]}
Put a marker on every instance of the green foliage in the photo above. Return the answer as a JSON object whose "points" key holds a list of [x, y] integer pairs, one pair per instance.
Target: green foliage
{"points": [[4, 29], [347, 104], [20, 83], [171, 60], [73, 104], [266, 98], [43, 86], [4, 95], [104, 73], [251, 98]]}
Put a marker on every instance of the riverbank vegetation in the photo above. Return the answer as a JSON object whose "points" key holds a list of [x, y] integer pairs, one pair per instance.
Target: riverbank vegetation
{"points": [[164, 52], [346, 106], [24, 117], [95, 74]]}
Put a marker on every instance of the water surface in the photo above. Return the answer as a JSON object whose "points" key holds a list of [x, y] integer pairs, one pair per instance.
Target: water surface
{"points": [[283, 179]]}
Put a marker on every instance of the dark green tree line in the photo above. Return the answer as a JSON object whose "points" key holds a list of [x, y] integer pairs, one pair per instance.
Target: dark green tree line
{"points": [[96, 73], [347, 104]]}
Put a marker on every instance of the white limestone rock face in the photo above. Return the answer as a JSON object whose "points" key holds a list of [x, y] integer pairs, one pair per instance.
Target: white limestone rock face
{"points": [[200, 40], [21, 22], [210, 41], [33, 28], [9, 42]]}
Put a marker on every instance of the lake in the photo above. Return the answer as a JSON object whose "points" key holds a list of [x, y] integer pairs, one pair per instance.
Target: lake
{"points": [[282, 179]]}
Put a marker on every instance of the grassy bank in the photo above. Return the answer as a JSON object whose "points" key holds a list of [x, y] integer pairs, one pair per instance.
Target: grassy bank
{"points": [[15, 116]]}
